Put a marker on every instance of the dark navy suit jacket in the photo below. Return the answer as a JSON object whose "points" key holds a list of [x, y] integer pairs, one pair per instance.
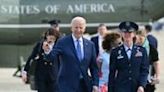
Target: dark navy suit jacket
{"points": [[70, 66], [153, 41], [131, 73], [95, 41]]}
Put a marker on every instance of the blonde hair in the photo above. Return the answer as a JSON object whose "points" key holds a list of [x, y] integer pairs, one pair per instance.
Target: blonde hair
{"points": [[141, 33]]}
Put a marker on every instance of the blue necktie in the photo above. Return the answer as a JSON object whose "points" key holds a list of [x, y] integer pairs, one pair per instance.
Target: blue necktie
{"points": [[79, 54], [78, 50]]}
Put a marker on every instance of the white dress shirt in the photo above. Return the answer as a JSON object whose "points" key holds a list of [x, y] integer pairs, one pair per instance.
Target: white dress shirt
{"points": [[100, 39], [128, 50]]}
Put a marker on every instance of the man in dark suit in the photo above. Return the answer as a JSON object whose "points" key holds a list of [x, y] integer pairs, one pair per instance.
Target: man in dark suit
{"points": [[129, 66], [77, 55], [97, 40], [152, 39]]}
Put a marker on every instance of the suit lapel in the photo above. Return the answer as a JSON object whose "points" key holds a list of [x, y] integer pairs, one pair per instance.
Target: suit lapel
{"points": [[133, 52], [72, 46], [97, 41], [85, 44], [124, 51]]}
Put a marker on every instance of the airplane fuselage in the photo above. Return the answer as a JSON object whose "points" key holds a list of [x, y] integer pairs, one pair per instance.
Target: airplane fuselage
{"points": [[24, 18]]}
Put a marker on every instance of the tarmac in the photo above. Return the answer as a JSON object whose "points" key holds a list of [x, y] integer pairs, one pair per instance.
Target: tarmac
{"points": [[8, 83]]}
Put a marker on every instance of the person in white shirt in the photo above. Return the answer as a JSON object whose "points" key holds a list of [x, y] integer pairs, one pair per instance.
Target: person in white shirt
{"points": [[97, 40]]}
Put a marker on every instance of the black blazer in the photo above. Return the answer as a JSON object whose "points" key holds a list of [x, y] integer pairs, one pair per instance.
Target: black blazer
{"points": [[95, 41], [43, 68]]}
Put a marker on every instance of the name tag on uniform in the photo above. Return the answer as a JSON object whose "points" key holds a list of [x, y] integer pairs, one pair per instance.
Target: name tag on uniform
{"points": [[120, 57]]}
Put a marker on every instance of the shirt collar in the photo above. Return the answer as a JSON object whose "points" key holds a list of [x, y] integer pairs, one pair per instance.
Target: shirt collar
{"points": [[75, 39], [100, 37], [127, 48]]}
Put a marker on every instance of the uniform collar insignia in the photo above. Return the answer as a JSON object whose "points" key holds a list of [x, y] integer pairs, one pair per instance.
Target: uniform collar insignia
{"points": [[138, 54], [86, 43], [138, 48], [119, 52]]}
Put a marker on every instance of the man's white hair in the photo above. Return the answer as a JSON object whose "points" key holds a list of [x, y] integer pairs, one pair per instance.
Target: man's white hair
{"points": [[78, 18]]}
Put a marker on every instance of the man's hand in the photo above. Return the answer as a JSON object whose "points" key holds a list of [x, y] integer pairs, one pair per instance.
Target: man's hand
{"points": [[155, 80], [95, 89], [24, 76], [140, 89], [46, 46]]}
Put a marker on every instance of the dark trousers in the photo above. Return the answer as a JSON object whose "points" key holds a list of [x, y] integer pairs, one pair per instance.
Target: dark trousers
{"points": [[82, 86], [46, 86], [150, 88]]}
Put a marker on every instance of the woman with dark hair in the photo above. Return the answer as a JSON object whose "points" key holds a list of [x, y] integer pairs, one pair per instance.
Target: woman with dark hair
{"points": [[44, 71], [110, 41]]}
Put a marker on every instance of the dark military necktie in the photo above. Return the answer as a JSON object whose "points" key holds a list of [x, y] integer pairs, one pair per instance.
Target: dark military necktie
{"points": [[128, 50]]}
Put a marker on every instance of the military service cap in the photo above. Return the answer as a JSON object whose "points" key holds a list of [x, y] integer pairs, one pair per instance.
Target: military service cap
{"points": [[128, 26]]}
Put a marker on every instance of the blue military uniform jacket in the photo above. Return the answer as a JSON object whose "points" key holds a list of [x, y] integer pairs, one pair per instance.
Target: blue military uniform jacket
{"points": [[126, 75]]}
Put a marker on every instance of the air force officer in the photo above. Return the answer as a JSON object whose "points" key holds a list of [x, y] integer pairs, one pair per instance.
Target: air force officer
{"points": [[128, 63]]}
